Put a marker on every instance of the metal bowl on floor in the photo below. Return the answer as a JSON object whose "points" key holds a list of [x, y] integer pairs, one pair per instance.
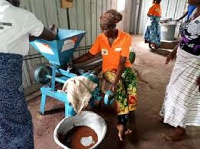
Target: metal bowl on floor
{"points": [[86, 118]]}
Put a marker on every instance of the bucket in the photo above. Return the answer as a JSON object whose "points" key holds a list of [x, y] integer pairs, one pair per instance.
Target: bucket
{"points": [[86, 118], [168, 29]]}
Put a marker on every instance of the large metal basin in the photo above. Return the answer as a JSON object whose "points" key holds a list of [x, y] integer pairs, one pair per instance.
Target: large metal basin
{"points": [[86, 118]]}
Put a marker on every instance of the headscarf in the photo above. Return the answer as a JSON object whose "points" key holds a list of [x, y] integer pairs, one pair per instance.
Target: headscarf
{"points": [[111, 17]]}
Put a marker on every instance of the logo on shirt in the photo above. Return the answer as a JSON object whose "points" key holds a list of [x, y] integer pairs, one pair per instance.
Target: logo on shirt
{"points": [[104, 51], [5, 24], [118, 49]]}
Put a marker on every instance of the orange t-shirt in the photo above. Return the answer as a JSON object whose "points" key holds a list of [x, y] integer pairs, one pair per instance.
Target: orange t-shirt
{"points": [[111, 54], [155, 10]]}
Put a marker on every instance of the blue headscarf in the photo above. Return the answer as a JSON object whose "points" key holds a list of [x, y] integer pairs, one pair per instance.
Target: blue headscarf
{"points": [[191, 8]]}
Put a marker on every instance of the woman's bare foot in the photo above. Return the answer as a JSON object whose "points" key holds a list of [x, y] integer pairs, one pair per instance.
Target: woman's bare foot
{"points": [[122, 132], [177, 134]]}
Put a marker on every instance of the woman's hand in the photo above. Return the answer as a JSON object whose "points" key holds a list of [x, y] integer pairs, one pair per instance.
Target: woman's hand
{"points": [[54, 29], [170, 57], [198, 82], [113, 88]]}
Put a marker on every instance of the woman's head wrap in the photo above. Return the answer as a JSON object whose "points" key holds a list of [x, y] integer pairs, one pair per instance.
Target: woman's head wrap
{"points": [[111, 17]]}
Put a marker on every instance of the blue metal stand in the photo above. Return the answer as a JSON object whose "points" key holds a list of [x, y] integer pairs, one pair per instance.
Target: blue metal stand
{"points": [[46, 91]]}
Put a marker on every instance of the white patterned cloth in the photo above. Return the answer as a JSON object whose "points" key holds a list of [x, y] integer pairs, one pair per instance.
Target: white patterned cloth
{"points": [[79, 91], [190, 33], [181, 106]]}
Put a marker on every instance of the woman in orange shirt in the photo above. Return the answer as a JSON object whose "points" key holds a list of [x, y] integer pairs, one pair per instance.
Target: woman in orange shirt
{"points": [[152, 33], [115, 47]]}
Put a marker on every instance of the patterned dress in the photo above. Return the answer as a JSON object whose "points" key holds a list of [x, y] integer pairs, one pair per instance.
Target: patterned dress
{"points": [[152, 33], [15, 119], [126, 90], [181, 106]]}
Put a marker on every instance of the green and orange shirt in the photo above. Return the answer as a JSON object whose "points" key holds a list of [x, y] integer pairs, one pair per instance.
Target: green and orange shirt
{"points": [[111, 54]]}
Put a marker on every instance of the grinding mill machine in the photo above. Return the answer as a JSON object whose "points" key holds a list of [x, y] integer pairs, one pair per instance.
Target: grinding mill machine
{"points": [[59, 53]]}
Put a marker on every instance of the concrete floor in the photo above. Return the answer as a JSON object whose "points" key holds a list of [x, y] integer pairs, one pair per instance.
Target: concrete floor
{"points": [[153, 78]]}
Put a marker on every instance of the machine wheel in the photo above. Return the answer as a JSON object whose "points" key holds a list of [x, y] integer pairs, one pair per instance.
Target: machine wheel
{"points": [[40, 74]]}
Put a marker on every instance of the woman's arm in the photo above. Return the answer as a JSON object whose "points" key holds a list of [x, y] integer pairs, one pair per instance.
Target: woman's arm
{"points": [[95, 49], [83, 58], [185, 14], [172, 55], [47, 34], [120, 70]]}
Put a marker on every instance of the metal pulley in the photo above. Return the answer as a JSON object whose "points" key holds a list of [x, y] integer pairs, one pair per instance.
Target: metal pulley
{"points": [[42, 73]]}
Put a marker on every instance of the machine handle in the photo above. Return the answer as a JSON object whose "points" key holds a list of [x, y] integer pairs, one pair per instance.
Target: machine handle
{"points": [[109, 97]]}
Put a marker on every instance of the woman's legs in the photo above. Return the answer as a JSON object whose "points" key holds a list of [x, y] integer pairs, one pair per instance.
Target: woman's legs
{"points": [[125, 98], [130, 82], [121, 104], [122, 126]]}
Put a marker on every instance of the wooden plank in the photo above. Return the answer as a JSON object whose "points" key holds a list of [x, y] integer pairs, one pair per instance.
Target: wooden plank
{"points": [[143, 17], [180, 8], [24, 79], [164, 6], [137, 9], [73, 16], [80, 14], [26, 71], [94, 19], [128, 15], [132, 18], [38, 8], [74, 20], [109, 4], [121, 9], [171, 9], [99, 13], [51, 12], [104, 6], [62, 15], [25, 4], [81, 18], [88, 21], [22, 4], [114, 4]]}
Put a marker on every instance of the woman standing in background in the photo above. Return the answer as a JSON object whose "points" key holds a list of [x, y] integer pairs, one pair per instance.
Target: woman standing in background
{"points": [[152, 33]]}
